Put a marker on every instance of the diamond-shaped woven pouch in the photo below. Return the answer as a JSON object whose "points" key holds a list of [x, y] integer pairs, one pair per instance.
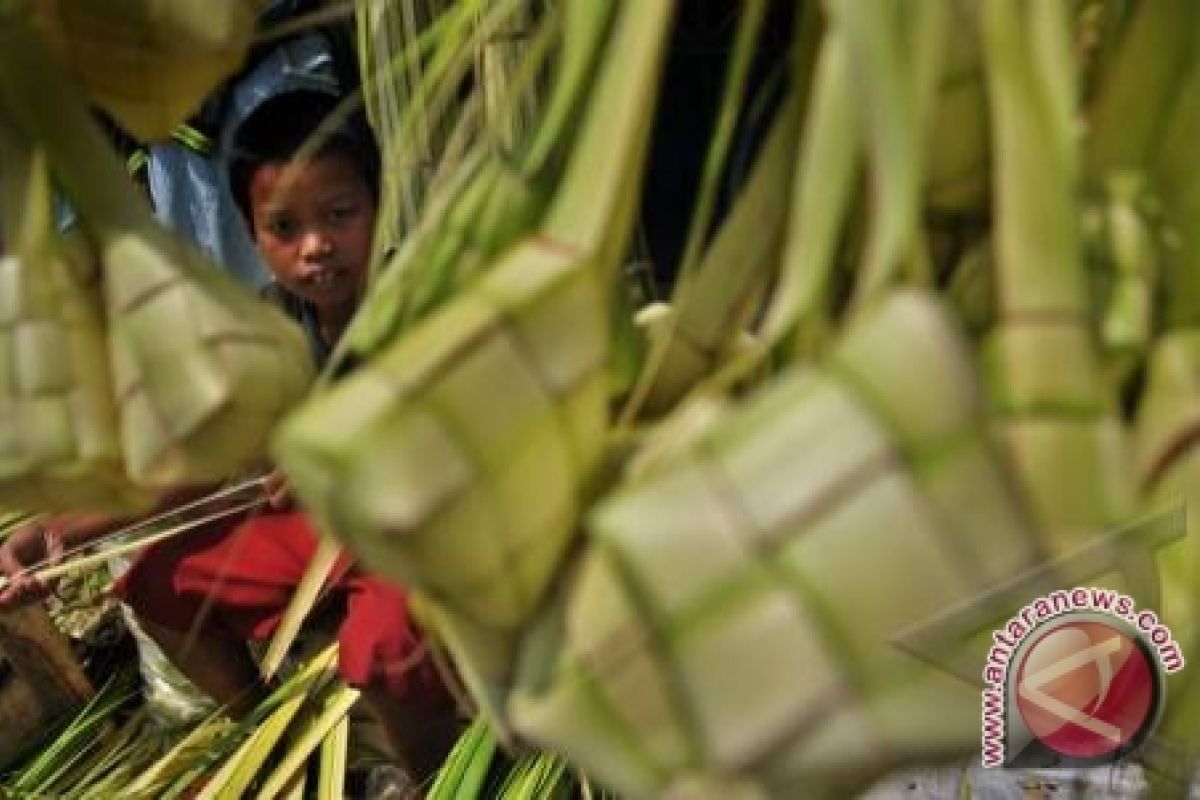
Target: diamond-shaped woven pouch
{"points": [[455, 461], [202, 368], [708, 633], [149, 63], [59, 446]]}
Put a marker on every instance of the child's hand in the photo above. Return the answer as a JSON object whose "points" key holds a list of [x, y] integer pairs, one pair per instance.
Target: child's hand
{"points": [[33, 545], [278, 492]]}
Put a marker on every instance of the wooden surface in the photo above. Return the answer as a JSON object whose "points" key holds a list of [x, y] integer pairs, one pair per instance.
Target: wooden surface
{"points": [[41, 680]]}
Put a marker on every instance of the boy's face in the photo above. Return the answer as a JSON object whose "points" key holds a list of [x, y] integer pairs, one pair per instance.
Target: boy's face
{"points": [[313, 222]]}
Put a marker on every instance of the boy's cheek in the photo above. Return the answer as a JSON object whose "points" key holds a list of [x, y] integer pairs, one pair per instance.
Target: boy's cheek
{"points": [[278, 259], [356, 250]]}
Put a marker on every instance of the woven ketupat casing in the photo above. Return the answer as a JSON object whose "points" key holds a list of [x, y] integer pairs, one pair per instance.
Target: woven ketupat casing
{"points": [[59, 446], [709, 630], [1169, 411], [149, 63], [1168, 462], [454, 461], [202, 369]]}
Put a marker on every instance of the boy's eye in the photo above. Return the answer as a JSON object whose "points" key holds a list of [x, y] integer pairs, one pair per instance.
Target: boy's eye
{"points": [[281, 227], [340, 214]]}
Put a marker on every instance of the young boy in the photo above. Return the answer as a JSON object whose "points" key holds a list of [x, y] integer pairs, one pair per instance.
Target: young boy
{"points": [[312, 220], [202, 595]]}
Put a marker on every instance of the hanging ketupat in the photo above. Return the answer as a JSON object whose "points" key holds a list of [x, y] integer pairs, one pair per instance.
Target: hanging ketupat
{"points": [[460, 458], [201, 369], [59, 446], [148, 63], [718, 627]]}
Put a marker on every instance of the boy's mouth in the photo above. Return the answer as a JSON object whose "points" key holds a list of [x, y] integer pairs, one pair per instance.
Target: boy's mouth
{"points": [[324, 278]]}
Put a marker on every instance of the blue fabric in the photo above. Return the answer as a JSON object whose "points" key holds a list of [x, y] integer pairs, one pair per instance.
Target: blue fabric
{"points": [[191, 196]]}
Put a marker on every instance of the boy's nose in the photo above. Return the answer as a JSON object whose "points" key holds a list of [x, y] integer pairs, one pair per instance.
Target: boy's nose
{"points": [[314, 243]]}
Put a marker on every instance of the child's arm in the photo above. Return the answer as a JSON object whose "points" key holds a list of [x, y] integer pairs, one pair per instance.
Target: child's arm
{"points": [[43, 541]]}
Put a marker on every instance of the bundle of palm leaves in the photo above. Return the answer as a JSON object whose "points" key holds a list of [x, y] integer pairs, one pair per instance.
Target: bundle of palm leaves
{"points": [[917, 417]]}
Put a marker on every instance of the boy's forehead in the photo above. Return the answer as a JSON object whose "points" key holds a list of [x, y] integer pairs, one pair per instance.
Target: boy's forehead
{"points": [[325, 173]]}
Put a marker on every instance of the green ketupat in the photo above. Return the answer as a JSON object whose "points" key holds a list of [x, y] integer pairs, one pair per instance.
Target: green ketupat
{"points": [[707, 634], [458, 460], [201, 369], [59, 442], [472, 506], [148, 63], [1156, 71]]}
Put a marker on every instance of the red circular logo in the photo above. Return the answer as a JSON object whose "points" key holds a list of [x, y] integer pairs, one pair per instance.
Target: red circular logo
{"points": [[1086, 689]]}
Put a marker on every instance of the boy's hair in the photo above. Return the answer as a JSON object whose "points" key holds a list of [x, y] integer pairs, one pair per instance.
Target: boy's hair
{"points": [[276, 130]]}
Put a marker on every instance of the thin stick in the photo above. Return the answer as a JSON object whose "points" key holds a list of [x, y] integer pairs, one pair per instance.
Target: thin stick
{"points": [[200, 502], [89, 562]]}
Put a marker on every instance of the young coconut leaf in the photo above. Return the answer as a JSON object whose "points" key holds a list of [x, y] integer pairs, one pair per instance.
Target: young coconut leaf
{"points": [[332, 772], [329, 710], [1052, 405], [204, 737], [463, 774], [239, 770], [1133, 245], [823, 181], [712, 292], [690, 338], [489, 201], [956, 157], [77, 740], [392, 77], [536, 776], [304, 599], [893, 51], [1138, 89]]}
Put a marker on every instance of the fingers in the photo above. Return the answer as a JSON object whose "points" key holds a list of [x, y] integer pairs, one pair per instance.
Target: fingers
{"points": [[52, 540], [274, 481], [13, 572], [278, 491], [34, 545], [281, 500], [21, 586]]}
